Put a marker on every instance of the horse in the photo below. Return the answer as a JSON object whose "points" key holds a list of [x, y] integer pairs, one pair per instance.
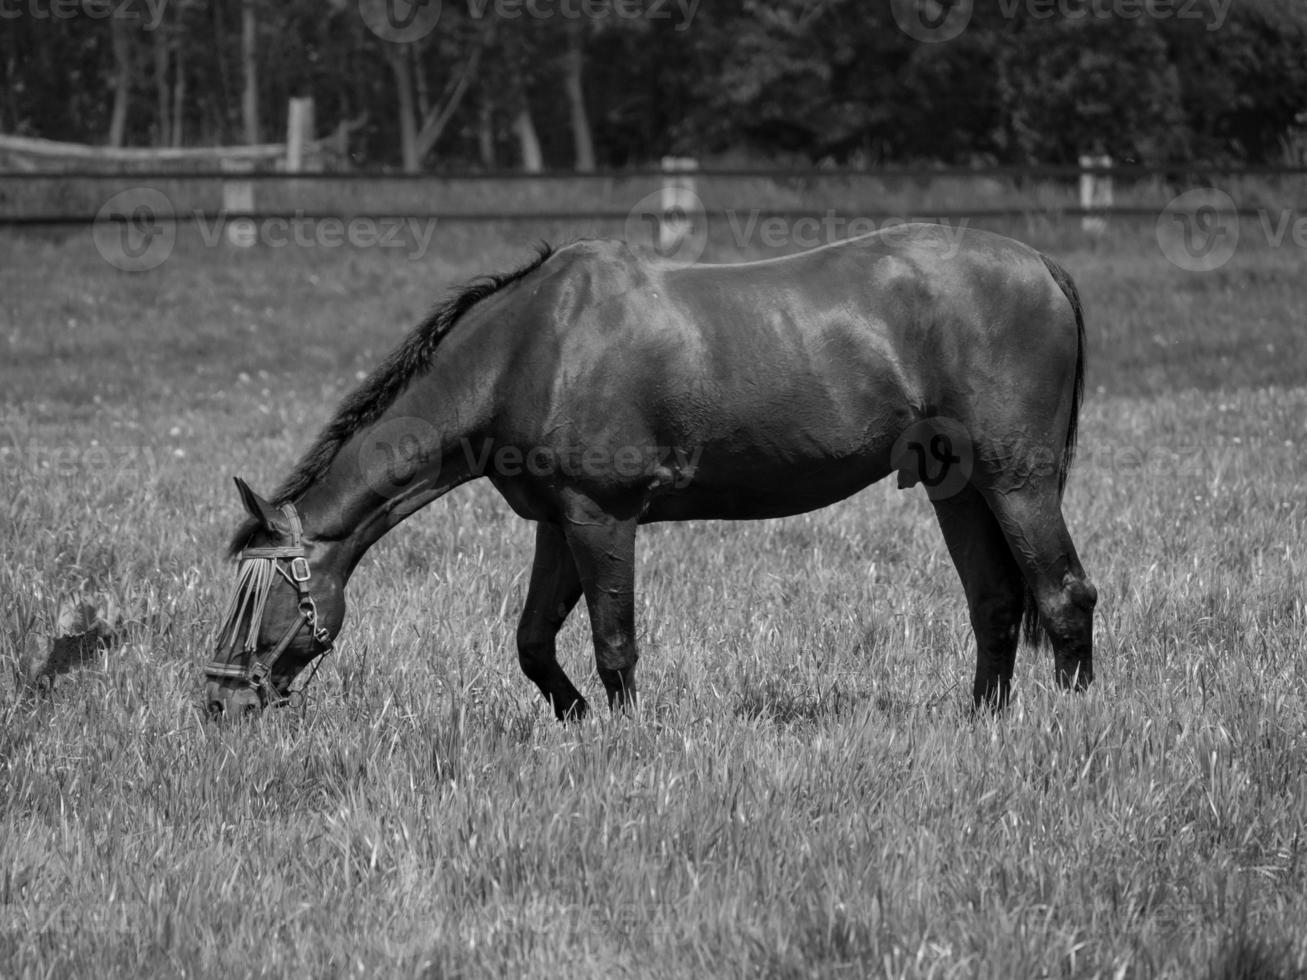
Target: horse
{"points": [[602, 386]]}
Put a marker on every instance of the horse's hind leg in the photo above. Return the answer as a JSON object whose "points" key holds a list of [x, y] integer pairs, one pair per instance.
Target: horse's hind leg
{"points": [[1031, 518], [554, 590], [994, 587]]}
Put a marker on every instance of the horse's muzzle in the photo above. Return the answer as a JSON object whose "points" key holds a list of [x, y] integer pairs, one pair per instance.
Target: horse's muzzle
{"points": [[231, 700]]}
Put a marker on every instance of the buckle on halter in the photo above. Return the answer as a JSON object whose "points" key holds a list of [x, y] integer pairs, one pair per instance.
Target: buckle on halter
{"points": [[299, 569]]}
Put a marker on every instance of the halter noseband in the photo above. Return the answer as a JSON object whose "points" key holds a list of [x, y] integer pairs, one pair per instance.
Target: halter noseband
{"points": [[257, 570]]}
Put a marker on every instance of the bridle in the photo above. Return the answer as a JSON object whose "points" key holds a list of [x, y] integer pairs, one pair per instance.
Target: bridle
{"points": [[258, 570]]}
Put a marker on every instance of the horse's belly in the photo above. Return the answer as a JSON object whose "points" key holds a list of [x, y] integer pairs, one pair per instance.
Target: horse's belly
{"points": [[751, 492]]}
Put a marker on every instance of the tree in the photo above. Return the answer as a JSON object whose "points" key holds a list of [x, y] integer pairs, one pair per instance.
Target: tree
{"points": [[1241, 86], [819, 80], [120, 33], [574, 91], [447, 59], [249, 71], [1071, 85]]}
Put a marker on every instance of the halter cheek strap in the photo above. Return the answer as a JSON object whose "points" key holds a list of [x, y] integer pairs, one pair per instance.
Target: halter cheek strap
{"points": [[258, 568]]}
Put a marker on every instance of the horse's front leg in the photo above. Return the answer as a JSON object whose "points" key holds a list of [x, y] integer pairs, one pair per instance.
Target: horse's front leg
{"points": [[554, 589], [603, 544]]}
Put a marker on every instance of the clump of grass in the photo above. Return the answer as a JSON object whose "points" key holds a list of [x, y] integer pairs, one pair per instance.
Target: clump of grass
{"points": [[1243, 955]]}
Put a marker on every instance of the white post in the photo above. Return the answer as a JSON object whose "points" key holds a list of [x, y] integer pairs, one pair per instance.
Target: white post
{"points": [[299, 132], [1095, 192], [680, 201], [237, 197]]}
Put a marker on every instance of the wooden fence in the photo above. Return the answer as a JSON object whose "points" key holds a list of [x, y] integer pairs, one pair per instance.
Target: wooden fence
{"points": [[253, 182]]}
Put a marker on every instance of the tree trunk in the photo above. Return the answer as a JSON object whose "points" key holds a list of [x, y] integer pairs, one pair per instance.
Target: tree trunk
{"points": [[420, 86], [122, 83], [163, 126], [573, 67], [486, 134], [215, 115], [528, 142], [250, 70], [437, 117], [398, 56], [178, 95]]}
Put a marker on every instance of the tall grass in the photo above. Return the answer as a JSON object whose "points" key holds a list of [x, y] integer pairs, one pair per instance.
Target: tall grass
{"points": [[802, 792]]}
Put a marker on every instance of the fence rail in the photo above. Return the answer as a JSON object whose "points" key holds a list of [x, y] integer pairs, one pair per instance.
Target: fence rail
{"points": [[74, 197], [474, 217], [1016, 172]]}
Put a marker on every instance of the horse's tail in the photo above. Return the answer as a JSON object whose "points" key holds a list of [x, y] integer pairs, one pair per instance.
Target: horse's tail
{"points": [[1033, 627], [1068, 287]]}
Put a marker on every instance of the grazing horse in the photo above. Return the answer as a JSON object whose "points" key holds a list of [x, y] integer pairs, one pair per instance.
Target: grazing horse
{"points": [[600, 387]]}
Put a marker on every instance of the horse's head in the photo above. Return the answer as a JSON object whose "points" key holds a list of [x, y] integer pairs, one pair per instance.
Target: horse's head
{"points": [[288, 606]]}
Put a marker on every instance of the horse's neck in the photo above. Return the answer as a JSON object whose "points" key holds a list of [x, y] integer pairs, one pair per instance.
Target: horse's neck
{"points": [[415, 453]]}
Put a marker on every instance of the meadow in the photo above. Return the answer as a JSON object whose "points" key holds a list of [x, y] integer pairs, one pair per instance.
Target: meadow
{"points": [[802, 792]]}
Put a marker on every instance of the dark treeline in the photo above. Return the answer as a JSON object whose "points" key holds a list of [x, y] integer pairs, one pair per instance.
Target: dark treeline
{"points": [[579, 84]]}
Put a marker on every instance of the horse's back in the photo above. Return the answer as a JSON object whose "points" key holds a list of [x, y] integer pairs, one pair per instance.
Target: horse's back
{"points": [[788, 381]]}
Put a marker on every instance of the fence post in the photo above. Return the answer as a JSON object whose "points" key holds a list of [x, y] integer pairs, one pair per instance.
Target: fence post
{"points": [[238, 198], [299, 132], [1095, 192], [679, 201]]}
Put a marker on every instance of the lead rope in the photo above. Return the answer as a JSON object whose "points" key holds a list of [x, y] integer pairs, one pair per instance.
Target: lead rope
{"points": [[300, 694]]}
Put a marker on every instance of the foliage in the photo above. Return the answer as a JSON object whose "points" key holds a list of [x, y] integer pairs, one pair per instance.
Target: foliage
{"points": [[817, 80]]}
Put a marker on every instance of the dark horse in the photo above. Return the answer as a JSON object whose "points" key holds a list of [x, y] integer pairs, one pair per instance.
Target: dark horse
{"points": [[599, 388]]}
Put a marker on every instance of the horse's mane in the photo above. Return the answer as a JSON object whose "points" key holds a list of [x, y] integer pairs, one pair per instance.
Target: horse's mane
{"points": [[369, 400]]}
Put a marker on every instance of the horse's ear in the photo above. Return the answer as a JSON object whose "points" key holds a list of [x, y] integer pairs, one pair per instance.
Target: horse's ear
{"points": [[258, 508]]}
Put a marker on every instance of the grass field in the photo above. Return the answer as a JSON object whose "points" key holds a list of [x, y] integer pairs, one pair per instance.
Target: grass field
{"points": [[802, 793]]}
